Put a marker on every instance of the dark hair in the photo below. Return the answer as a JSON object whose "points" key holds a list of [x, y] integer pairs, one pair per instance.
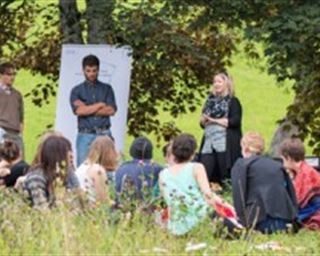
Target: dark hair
{"points": [[292, 148], [9, 151], [183, 147], [91, 61], [141, 148], [4, 67], [54, 152], [165, 149]]}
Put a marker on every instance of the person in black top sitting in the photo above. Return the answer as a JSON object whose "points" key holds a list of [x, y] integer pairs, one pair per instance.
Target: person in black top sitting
{"points": [[263, 194], [11, 165]]}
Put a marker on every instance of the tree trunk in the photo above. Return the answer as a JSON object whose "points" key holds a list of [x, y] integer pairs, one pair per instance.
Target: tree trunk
{"points": [[99, 20], [70, 21]]}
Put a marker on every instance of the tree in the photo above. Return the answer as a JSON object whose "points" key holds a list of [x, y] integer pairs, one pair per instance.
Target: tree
{"points": [[177, 46], [175, 52], [289, 32]]}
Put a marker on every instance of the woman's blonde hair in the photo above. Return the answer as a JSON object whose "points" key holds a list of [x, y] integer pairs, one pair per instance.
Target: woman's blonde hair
{"points": [[229, 82], [254, 142], [102, 151]]}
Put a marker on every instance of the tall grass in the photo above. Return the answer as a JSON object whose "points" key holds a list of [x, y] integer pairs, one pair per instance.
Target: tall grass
{"points": [[63, 231]]}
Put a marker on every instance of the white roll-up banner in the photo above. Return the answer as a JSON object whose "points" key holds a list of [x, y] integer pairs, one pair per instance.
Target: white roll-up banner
{"points": [[115, 69]]}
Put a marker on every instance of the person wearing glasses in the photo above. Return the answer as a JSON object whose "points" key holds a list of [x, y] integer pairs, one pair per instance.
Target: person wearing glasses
{"points": [[11, 106]]}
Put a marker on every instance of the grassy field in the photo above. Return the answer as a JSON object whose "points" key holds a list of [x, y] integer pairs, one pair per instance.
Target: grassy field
{"points": [[66, 231]]}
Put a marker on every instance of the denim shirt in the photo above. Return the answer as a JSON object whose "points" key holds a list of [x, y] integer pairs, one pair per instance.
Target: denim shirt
{"points": [[90, 94], [143, 173]]}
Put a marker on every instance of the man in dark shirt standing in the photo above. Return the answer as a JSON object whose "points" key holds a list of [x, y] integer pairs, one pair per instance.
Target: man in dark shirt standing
{"points": [[11, 107], [93, 102]]}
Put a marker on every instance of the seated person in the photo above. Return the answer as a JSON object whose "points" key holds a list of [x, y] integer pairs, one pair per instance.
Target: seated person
{"points": [[185, 187], [71, 181], [55, 158], [263, 194], [92, 173], [137, 178], [11, 165], [306, 181]]}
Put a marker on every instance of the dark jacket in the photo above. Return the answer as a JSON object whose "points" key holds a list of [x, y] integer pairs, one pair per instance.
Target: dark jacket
{"points": [[234, 134], [17, 170], [262, 188]]}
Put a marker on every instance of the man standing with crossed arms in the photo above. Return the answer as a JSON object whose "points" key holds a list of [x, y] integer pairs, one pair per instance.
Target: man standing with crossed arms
{"points": [[93, 102]]}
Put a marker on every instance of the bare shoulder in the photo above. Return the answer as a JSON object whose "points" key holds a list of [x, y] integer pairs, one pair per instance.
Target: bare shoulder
{"points": [[198, 166]]}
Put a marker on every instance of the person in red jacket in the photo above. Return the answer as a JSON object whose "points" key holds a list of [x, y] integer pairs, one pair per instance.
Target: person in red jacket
{"points": [[306, 181]]}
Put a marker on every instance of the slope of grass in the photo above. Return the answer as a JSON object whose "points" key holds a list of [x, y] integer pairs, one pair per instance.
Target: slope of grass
{"points": [[69, 231]]}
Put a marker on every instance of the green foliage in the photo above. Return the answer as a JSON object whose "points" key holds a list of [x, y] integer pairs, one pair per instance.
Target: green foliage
{"points": [[173, 58], [175, 52], [290, 33], [177, 46]]}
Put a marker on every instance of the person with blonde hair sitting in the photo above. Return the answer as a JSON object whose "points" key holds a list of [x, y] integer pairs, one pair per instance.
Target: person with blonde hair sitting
{"points": [[92, 176], [263, 194]]}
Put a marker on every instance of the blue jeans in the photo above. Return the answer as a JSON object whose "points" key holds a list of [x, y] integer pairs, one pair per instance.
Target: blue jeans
{"points": [[83, 143]]}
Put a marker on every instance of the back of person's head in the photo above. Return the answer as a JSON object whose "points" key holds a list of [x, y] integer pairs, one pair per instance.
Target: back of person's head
{"points": [[141, 148], [102, 151], [9, 151], [5, 67], [54, 154], [183, 147], [292, 148], [253, 142], [91, 61]]}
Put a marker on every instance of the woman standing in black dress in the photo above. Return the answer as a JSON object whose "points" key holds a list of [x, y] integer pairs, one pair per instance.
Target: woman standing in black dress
{"points": [[221, 121]]}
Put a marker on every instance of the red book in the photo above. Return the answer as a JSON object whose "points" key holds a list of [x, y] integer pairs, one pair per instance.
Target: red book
{"points": [[224, 210]]}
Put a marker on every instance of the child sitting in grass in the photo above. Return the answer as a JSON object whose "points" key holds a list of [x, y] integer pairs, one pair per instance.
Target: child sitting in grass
{"points": [[306, 181]]}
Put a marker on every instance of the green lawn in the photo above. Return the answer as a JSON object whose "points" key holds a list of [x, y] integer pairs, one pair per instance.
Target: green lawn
{"points": [[63, 231]]}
